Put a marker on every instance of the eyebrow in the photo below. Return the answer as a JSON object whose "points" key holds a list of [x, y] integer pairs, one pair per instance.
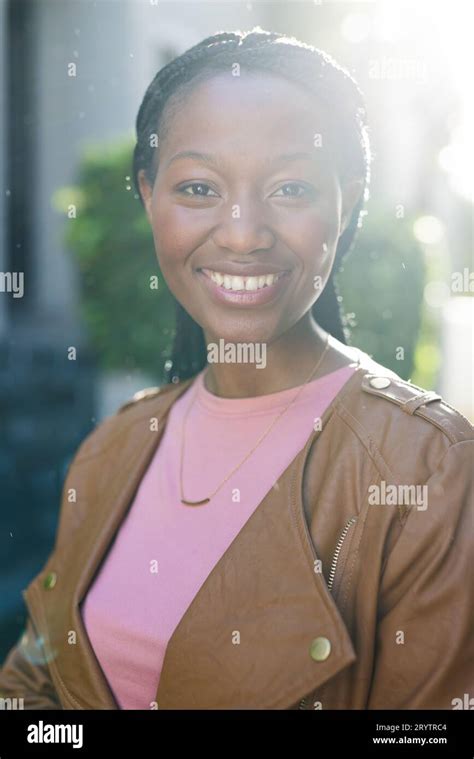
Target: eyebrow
{"points": [[214, 161]]}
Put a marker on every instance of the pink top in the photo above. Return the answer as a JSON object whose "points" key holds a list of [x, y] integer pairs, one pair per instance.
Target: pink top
{"points": [[165, 550]]}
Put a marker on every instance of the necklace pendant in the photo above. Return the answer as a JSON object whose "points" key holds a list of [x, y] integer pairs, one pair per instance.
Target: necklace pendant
{"points": [[195, 503]]}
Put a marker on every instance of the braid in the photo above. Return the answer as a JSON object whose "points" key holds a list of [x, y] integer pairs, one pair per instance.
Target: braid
{"points": [[318, 73]]}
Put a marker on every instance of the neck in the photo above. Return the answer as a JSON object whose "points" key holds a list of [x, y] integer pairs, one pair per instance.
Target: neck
{"points": [[289, 360]]}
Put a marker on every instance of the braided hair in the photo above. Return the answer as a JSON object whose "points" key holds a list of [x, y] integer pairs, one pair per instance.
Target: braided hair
{"points": [[262, 51]]}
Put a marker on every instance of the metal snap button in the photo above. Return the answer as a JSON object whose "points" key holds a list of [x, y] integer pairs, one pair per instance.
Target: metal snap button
{"points": [[320, 649], [50, 580], [379, 382]]}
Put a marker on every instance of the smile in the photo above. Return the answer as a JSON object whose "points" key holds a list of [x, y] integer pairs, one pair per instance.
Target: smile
{"points": [[236, 283], [242, 290]]}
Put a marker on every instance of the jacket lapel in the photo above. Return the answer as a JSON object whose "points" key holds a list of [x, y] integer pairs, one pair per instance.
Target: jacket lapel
{"points": [[56, 612], [244, 641]]}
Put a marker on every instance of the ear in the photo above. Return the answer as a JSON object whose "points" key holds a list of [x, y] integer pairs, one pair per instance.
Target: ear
{"points": [[146, 191], [351, 191]]}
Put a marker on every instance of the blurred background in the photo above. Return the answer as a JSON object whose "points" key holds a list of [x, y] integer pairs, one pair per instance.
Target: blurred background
{"points": [[80, 328]]}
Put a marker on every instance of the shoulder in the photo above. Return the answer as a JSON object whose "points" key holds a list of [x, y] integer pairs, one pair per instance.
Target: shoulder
{"points": [[406, 429], [148, 393], [382, 393], [129, 417]]}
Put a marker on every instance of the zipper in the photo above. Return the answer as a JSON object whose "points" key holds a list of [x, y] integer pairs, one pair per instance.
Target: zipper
{"points": [[332, 575], [337, 552]]}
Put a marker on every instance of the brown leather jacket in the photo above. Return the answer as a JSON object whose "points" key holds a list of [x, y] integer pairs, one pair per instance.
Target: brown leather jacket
{"points": [[341, 602]]}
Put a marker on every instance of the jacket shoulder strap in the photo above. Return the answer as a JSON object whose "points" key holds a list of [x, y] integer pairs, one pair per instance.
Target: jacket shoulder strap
{"points": [[148, 392], [417, 401], [152, 392]]}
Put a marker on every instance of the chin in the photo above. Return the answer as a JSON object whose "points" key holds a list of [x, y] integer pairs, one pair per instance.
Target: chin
{"points": [[242, 332]]}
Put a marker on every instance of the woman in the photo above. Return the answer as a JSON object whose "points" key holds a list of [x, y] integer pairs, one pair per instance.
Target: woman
{"points": [[286, 523]]}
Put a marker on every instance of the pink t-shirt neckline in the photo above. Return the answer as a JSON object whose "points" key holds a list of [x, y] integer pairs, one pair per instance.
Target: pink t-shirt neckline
{"points": [[260, 404]]}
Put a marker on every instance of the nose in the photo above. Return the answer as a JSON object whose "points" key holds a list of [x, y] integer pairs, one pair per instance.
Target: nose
{"points": [[242, 229]]}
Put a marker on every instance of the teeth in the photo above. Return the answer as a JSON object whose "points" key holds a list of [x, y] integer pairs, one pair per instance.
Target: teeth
{"points": [[230, 282]]}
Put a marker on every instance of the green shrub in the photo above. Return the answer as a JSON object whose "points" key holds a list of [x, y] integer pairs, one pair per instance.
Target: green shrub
{"points": [[382, 288], [129, 323]]}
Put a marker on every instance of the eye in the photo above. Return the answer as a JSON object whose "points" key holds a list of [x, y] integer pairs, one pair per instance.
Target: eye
{"points": [[200, 190], [294, 187]]}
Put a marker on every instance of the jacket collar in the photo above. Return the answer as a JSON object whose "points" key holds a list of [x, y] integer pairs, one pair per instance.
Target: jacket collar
{"points": [[244, 642]]}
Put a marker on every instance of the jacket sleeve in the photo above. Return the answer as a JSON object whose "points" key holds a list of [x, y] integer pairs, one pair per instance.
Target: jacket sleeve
{"points": [[25, 674], [424, 657]]}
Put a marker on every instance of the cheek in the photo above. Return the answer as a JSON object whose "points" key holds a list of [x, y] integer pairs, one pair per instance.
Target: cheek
{"points": [[174, 237], [314, 239]]}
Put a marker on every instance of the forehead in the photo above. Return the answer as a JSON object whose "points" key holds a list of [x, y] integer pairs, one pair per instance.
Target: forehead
{"points": [[259, 113]]}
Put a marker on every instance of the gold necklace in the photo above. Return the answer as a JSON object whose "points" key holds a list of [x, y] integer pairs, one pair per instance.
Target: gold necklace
{"points": [[206, 500]]}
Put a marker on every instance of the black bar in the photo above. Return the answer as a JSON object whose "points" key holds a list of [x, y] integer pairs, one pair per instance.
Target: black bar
{"points": [[138, 734]]}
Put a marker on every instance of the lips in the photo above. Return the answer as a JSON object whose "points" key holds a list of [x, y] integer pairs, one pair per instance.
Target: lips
{"points": [[248, 283], [243, 290], [244, 269]]}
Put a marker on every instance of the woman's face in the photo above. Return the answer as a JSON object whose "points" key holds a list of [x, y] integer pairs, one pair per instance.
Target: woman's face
{"points": [[247, 207]]}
